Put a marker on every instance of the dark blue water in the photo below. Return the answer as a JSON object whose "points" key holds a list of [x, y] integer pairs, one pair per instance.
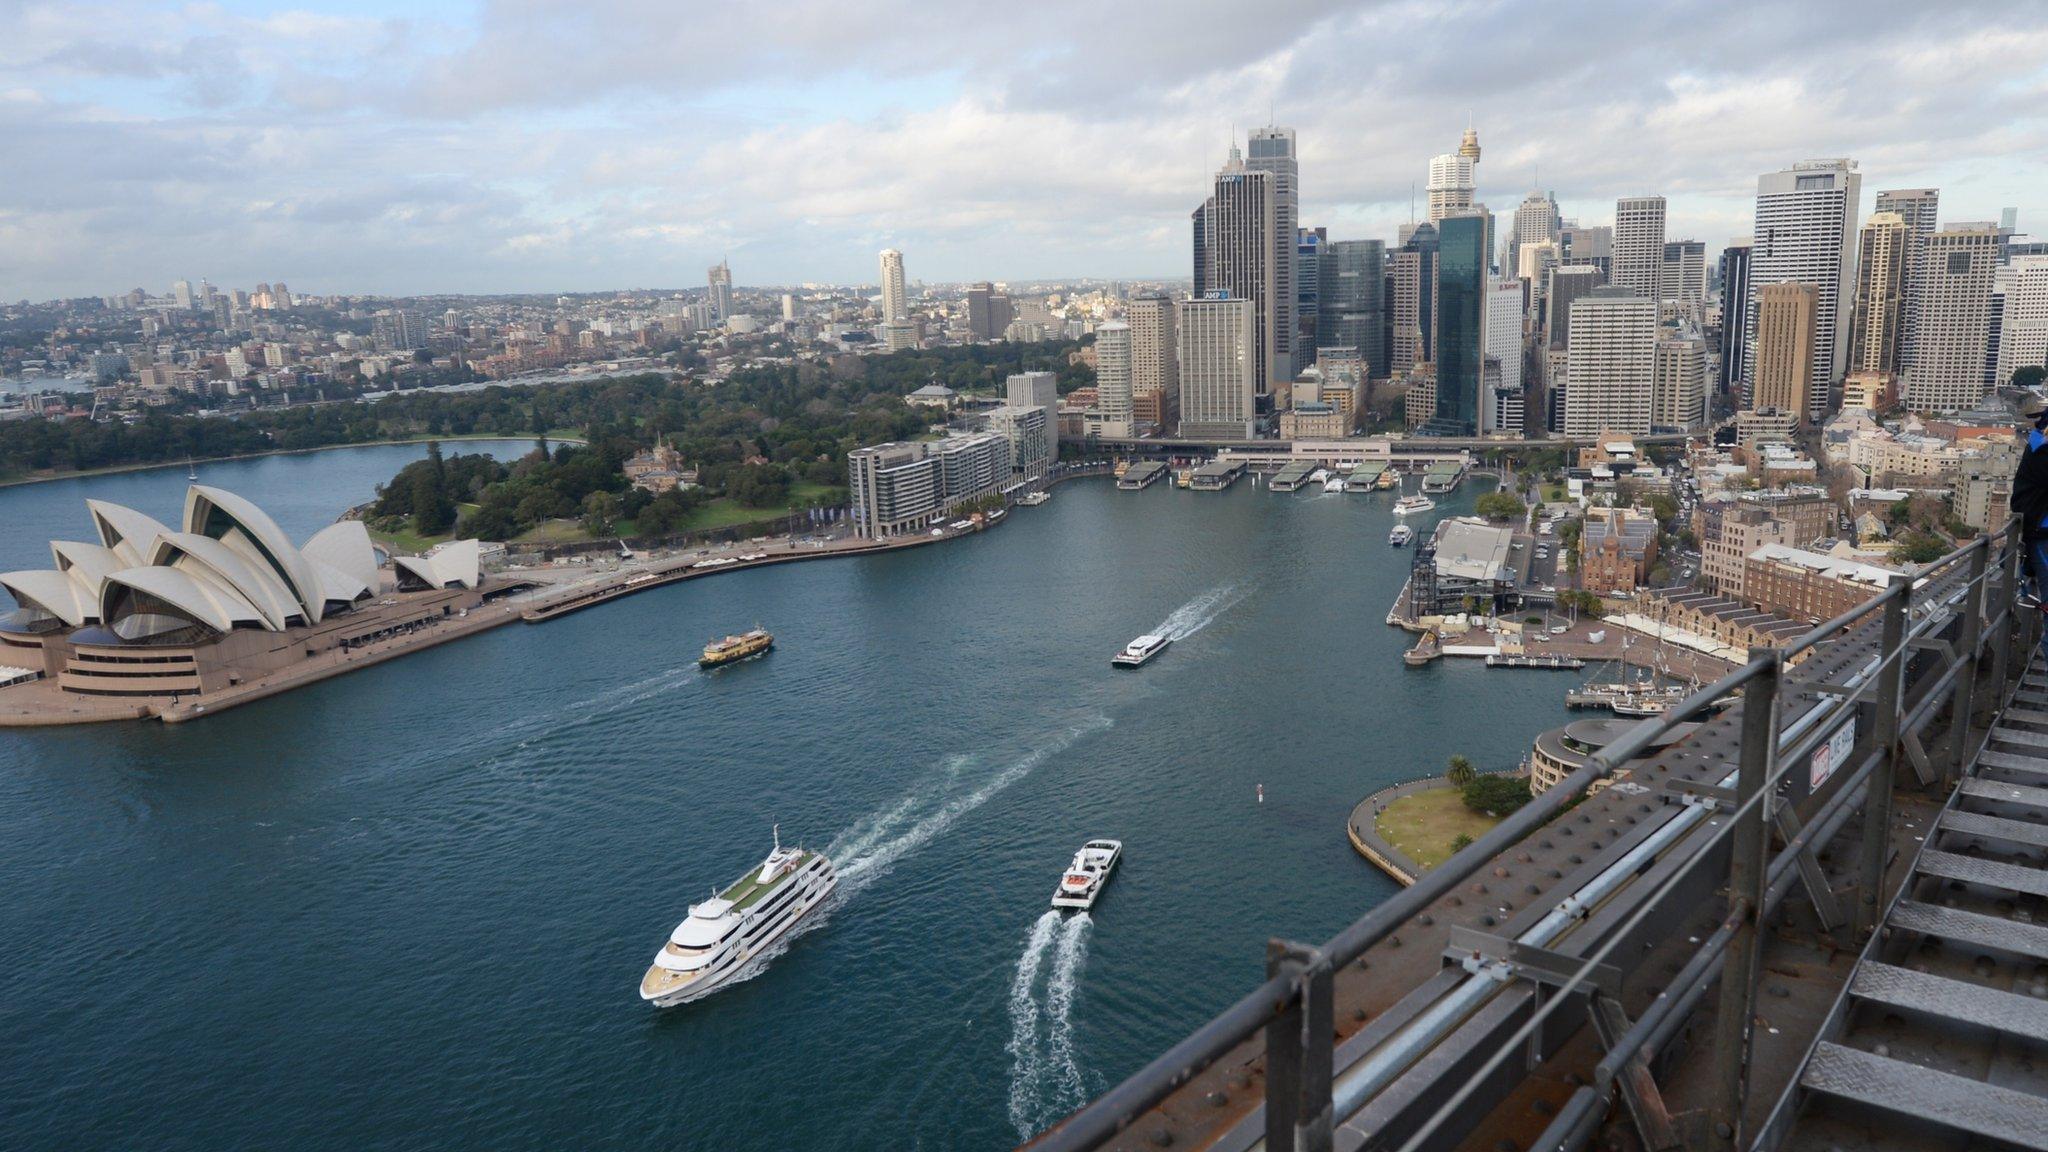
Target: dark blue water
{"points": [[408, 908]]}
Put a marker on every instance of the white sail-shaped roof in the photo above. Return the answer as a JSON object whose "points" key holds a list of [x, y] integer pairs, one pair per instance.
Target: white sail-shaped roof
{"points": [[207, 558], [214, 605], [249, 530], [124, 530], [52, 591], [453, 563], [345, 546], [87, 564]]}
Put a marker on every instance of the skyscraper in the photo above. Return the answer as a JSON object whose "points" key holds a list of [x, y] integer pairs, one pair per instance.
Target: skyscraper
{"points": [[1204, 263], [1460, 324], [1351, 302], [989, 312], [1408, 276], [1113, 377], [1783, 357], [1244, 262], [1271, 150], [1876, 313], [720, 276], [1503, 345], [1308, 278], [1592, 245], [1958, 270], [1536, 220], [1806, 231], [1155, 363], [1918, 207], [1567, 283], [2023, 324], [1678, 383], [895, 296], [181, 294], [1217, 348], [1684, 272], [1639, 245], [1734, 300], [1608, 378], [1453, 178]]}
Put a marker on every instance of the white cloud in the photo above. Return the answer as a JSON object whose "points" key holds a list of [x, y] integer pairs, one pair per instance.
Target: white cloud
{"points": [[528, 146]]}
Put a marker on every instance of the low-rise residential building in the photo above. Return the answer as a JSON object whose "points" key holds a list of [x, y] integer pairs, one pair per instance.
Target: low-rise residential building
{"points": [[1984, 486], [1730, 529]]}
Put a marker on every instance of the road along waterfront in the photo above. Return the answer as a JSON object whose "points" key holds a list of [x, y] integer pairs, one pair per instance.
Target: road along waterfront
{"points": [[409, 907]]}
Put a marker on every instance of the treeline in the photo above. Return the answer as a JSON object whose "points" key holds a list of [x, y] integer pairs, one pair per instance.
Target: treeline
{"points": [[796, 415]]}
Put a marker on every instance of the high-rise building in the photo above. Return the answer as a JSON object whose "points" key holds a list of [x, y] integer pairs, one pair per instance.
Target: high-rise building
{"points": [[397, 330], [1461, 279], [1639, 245], [1567, 283], [181, 294], [1308, 276], [788, 308], [2023, 323], [1734, 299], [989, 312], [1217, 347], [1678, 383], [1876, 314], [1025, 390], [720, 277], [1503, 348], [1684, 271], [1536, 221], [1113, 392], [1199, 221], [1351, 301], [895, 294], [1918, 207], [1271, 150], [1409, 276], [1957, 273], [1608, 378], [1783, 357], [1244, 262], [1155, 363], [1453, 178], [1806, 232], [1593, 244]]}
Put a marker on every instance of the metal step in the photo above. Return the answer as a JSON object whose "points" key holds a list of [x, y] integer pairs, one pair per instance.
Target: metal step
{"points": [[1978, 788], [1996, 827], [2013, 762], [1990, 873], [2021, 939], [2020, 736], [1941, 1097], [2024, 716], [1950, 999]]}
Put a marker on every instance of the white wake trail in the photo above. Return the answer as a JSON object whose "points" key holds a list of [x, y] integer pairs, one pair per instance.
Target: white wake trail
{"points": [[1200, 612], [876, 854], [1069, 1089], [1027, 1068]]}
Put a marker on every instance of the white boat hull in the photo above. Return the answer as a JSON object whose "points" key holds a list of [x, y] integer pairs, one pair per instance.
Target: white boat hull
{"points": [[1085, 899], [728, 972]]}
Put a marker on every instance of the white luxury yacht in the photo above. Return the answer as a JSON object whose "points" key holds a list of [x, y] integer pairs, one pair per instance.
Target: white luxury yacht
{"points": [[1083, 880], [1407, 504], [723, 934]]}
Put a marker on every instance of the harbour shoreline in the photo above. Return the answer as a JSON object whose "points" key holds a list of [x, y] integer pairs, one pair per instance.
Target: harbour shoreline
{"points": [[121, 469]]}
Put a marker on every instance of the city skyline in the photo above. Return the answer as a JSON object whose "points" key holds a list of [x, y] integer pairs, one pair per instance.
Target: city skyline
{"points": [[349, 151]]}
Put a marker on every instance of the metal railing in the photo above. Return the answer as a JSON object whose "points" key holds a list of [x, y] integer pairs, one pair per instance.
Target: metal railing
{"points": [[1307, 1096]]}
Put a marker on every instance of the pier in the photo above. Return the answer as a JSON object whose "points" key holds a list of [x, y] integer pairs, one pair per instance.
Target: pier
{"points": [[1291, 476], [1216, 475], [1143, 474], [1808, 922]]}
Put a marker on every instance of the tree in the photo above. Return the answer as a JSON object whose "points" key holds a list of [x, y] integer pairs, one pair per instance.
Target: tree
{"points": [[1919, 547], [600, 513], [1461, 772], [433, 513], [1496, 796], [1460, 842], [1499, 507], [2031, 376]]}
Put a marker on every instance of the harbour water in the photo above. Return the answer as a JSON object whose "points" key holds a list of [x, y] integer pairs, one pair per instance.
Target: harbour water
{"points": [[409, 907]]}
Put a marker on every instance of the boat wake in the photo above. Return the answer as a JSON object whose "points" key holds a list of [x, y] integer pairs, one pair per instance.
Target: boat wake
{"points": [[1200, 612], [1046, 1081], [866, 851]]}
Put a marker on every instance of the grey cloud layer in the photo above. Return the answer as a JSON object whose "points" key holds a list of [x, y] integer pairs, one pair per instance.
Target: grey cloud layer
{"points": [[631, 143]]}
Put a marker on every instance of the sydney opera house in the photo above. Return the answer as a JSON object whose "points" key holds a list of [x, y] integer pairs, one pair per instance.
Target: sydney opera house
{"points": [[149, 610]]}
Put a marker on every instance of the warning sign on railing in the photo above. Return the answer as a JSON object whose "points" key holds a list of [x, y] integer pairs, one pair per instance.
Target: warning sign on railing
{"points": [[1831, 755]]}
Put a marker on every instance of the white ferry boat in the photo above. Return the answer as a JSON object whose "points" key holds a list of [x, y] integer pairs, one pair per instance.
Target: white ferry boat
{"points": [[1407, 504], [1082, 882], [725, 934], [1400, 536], [1139, 652], [1334, 484], [1319, 476], [1034, 499]]}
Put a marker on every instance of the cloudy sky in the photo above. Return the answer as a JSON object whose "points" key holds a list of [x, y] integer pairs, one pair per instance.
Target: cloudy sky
{"points": [[377, 146]]}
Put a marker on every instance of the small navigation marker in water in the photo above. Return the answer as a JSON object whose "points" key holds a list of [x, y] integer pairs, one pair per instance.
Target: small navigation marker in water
{"points": [[1262, 793]]}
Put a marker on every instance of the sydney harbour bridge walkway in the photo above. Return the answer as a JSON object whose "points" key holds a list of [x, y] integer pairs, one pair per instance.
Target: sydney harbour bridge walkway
{"points": [[1816, 920]]}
